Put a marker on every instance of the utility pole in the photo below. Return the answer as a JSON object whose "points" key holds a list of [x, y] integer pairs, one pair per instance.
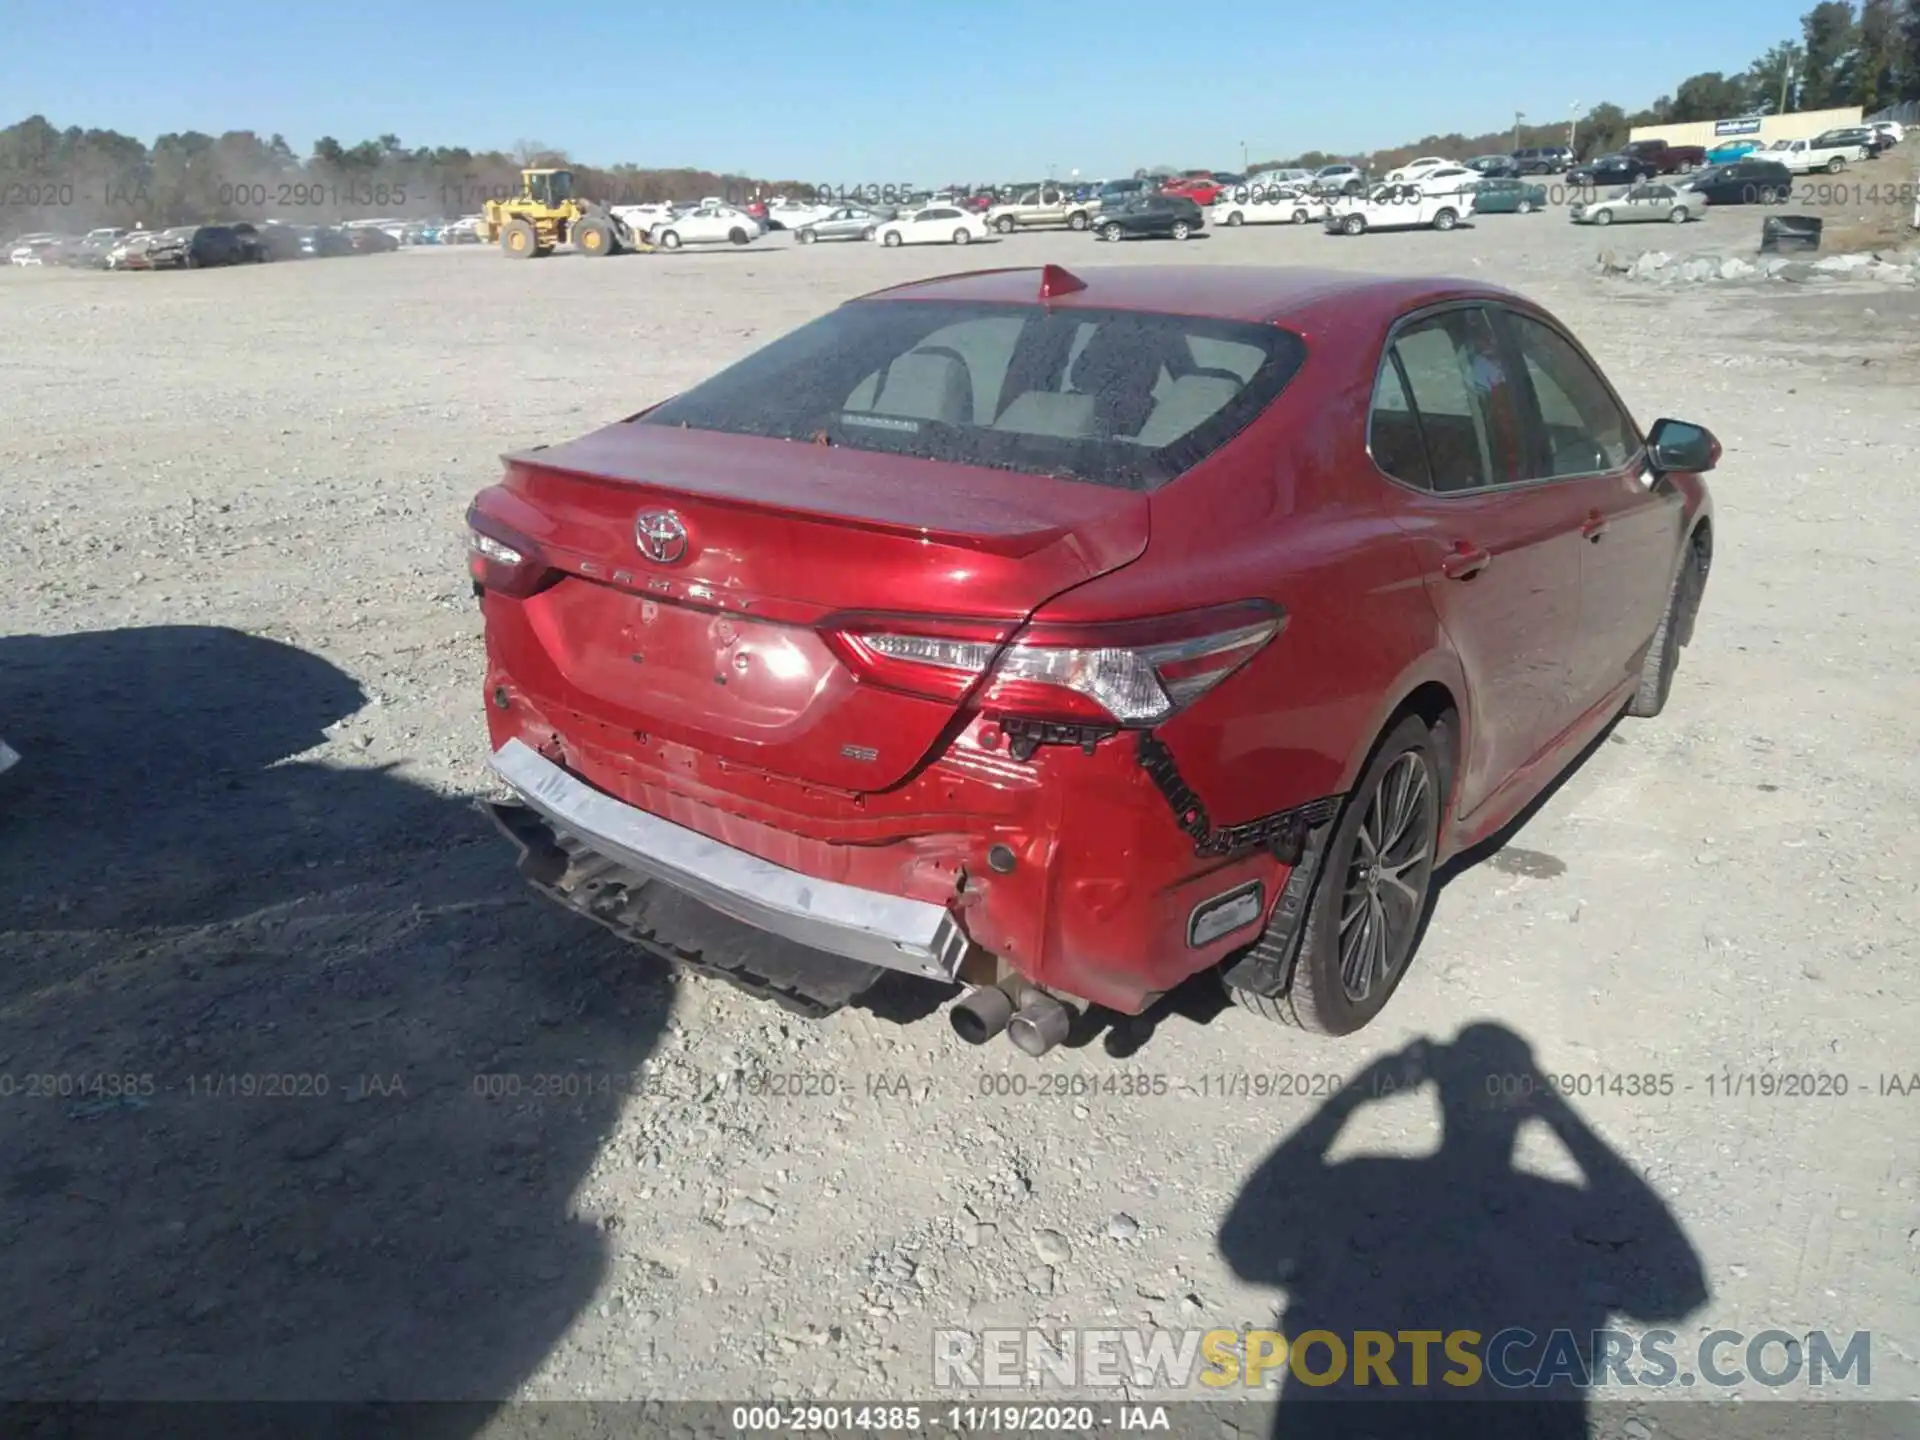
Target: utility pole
{"points": [[1518, 116], [1573, 126], [1243, 157], [1786, 84]]}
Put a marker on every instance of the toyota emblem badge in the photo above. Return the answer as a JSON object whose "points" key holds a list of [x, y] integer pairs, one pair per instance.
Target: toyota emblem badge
{"points": [[661, 536]]}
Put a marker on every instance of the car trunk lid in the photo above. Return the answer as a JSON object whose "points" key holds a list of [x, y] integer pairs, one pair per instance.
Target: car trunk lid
{"points": [[729, 645]]}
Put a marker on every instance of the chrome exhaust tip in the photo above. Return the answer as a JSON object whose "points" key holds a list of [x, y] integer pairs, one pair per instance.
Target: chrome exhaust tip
{"points": [[1042, 1023], [981, 1014]]}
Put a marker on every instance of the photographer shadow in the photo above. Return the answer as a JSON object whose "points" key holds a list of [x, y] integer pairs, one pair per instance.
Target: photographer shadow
{"points": [[1458, 1240], [301, 1081]]}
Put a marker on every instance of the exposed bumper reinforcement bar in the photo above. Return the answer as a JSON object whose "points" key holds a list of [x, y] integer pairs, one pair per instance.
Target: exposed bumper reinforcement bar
{"points": [[888, 931]]}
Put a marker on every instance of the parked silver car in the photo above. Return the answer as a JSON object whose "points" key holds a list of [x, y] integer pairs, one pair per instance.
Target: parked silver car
{"points": [[849, 222], [1646, 201]]}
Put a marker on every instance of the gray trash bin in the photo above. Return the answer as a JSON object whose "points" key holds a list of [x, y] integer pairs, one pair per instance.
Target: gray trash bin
{"points": [[1789, 233]]}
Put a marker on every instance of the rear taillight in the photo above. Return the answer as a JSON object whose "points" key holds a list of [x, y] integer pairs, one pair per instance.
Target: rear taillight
{"points": [[503, 560], [1133, 673]]}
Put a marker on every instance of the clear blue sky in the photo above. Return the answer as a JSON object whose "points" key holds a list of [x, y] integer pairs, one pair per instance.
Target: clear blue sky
{"points": [[860, 91]]}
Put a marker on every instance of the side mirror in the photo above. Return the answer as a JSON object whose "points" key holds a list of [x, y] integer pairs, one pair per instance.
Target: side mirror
{"points": [[1676, 447]]}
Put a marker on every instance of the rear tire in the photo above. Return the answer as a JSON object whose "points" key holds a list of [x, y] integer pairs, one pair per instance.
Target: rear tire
{"points": [[1525, 207], [1181, 230], [963, 237], [1077, 220], [1678, 216], [1004, 224], [893, 238], [806, 237], [1446, 220], [670, 240], [1110, 232], [1381, 918], [1236, 219], [1353, 225], [737, 236], [1836, 165], [1605, 217]]}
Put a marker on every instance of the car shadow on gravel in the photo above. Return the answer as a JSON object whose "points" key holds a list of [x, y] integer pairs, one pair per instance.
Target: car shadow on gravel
{"points": [[297, 1082], [1458, 1240]]}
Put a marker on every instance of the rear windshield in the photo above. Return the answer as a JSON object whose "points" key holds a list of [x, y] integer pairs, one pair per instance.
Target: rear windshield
{"points": [[1114, 397]]}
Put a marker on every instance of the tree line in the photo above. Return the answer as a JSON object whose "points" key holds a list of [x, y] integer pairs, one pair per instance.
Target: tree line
{"points": [[1869, 56], [73, 180]]}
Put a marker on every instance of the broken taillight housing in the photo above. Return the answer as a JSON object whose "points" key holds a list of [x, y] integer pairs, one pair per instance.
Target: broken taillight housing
{"points": [[501, 559], [1133, 673]]}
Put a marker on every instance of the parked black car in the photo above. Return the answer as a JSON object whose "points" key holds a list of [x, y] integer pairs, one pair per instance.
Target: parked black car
{"points": [[1748, 181], [1865, 136], [1543, 160], [370, 240], [319, 242], [1609, 170], [1495, 167], [1163, 216], [253, 245], [194, 247], [283, 242]]}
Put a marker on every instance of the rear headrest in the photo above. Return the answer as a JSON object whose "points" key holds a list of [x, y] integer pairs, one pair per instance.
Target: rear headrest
{"points": [[926, 386], [1186, 404], [1046, 412]]}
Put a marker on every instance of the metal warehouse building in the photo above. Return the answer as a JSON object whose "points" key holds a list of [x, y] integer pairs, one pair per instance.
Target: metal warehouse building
{"points": [[1799, 125]]}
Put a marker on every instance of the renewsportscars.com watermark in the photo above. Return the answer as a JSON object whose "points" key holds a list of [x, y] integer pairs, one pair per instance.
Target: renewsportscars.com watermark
{"points": [[1511, 1359]]}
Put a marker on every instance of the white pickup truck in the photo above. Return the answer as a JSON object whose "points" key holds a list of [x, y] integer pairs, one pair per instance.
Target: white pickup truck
{"points": [[1804, 157]]}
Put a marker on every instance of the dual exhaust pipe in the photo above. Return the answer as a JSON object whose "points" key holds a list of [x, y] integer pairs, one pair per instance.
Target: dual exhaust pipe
{"points": [[1034, 1027]]}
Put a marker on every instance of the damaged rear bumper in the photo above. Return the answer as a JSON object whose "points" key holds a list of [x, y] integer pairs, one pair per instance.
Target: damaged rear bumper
{"points": [[871, 928]]}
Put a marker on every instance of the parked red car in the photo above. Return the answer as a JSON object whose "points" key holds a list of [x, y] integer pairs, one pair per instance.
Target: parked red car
{"points": [[1202, 190], [1068, 636]]}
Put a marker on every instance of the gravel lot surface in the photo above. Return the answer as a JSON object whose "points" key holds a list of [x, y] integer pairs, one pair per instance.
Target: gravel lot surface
{"points": [[240, 867]]}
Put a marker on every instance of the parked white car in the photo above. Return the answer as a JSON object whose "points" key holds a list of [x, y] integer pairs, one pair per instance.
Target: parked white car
{"points": [[1397, 207], [1892, 129], [641, 219], [1649, 200], [1803, 157], [1258, 204], [30, 249], [935, 225], [710, 223], [1280, 177], [1417, 169], [1448, 179]]}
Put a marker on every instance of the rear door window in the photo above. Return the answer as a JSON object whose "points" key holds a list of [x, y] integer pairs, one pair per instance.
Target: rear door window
{"points": [[1456, 382], [1113, 397]]}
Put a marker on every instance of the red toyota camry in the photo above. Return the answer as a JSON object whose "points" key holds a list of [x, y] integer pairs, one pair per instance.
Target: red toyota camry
{"points": [[1063, 636]]}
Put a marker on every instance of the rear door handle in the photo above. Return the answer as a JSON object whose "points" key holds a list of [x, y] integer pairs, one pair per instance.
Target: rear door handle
{"points": [[1594, 526], [1464, 561]]}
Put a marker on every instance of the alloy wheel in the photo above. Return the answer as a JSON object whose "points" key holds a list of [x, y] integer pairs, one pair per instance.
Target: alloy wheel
{"points": [[1386, 881]]}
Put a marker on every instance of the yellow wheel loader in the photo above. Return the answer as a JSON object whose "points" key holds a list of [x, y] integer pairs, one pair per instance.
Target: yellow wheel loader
{"points": [[547, 213]]}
